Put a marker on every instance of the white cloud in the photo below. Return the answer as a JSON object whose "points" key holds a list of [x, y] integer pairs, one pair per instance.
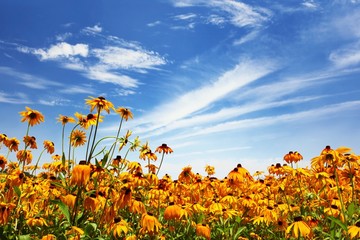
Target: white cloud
{"points": [[62, 37], [346, 56], [58, 51], [216, 20], [238, 13], [14, 98], [266, 121], [106, 76], [29, 80], [310, 4], [96, 29], [185, 16], [199, 99], [153, 24], [126, 58], [248, 37]]}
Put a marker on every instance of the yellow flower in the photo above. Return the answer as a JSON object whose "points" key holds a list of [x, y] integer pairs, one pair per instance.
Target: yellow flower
{"points": [[12, 144], [3, 162], [30, 141], [120, 227], [69, 200], [65, 119], [100, 103], [78, 138], [33, 117], [354, 230], [24, 156], [172, 212], [125, 113], [164, 148], [49, 237], [299, 228], [81, 175], [36, 222], [203, 230], [49, 146], [210, 170], [149, 224]]}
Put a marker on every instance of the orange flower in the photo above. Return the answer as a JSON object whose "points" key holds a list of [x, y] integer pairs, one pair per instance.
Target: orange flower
{"points": [[172, 212], [100, 103], [49, 146], [125, 113], [32, 116], [24, 156], [164, 148], [30, 141], [149, 224], [12, 144], [3, 162], [81, 174], [203, 230], [78, 138], [65, 119]]}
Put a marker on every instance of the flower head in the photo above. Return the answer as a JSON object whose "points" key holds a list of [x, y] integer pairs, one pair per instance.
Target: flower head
{"points": [[100, 103], [33, 117], [49, 146], [65, 119], [78, 138], [125, 113], [164, 148]]}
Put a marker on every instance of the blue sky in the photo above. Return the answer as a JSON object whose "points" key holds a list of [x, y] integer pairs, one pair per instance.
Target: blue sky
{"points": [[221, 82]]}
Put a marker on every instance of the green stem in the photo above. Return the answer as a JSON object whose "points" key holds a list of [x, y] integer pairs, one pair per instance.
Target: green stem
{"points": [[87, 147], [162, 158], [37, 162], [92, 149], [117, 136]]}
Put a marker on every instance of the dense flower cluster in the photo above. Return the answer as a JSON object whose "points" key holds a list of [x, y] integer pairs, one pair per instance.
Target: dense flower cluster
{"points": [[115, 198]]}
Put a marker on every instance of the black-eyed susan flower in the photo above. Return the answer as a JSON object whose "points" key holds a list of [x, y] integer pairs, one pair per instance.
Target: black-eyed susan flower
{"points": [[24, 156], [49, 146], [119, 228], [125, 113], [3, 138], [354, 231], [31, 116], [164, 148], [12, 144], [173, 211], [298, 228], [210, 170], [100, 103], [36, 222], [203, 230], [65, 119], [69, 200], [137, 206], [30, 141], [49, 237], [149, 224], [186, 175], [3, 162], [5, 209], [81, 174], [77, 138]]}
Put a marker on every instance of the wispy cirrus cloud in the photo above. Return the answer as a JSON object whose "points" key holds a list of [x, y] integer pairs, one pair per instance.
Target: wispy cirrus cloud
{"points": [[237, 13], [346, 56], [14, 98], [29, 80]]}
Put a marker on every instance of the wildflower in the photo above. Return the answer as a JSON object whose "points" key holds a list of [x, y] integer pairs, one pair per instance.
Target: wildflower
{"points": [[186, 176], [78, 138], [92, 203], [3, 162], [30, 142], [32, 116], [137, 206], [49, 237], [203, 230], [125, 113], [49, 146], [354, 230], [75, 231], [5, 209], [36, 222], [69, 200], [210, 170], [293, 157], [3, 138], [100, 103], [149, 224], [65, 119], [120, 227], [12, 144], [299, 228], [81, 174], [173, 211], [24, 156], [164, 148]]}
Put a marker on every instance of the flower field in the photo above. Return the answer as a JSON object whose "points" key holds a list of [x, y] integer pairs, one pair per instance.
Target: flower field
{"points": [[107, 196]]}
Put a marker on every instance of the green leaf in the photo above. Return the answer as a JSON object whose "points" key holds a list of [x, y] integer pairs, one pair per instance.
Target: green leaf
{"points": [[351, 209], [90, 228], [64, 209], [63, 159], [25, 237], [17, 190], [338, 222]]}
